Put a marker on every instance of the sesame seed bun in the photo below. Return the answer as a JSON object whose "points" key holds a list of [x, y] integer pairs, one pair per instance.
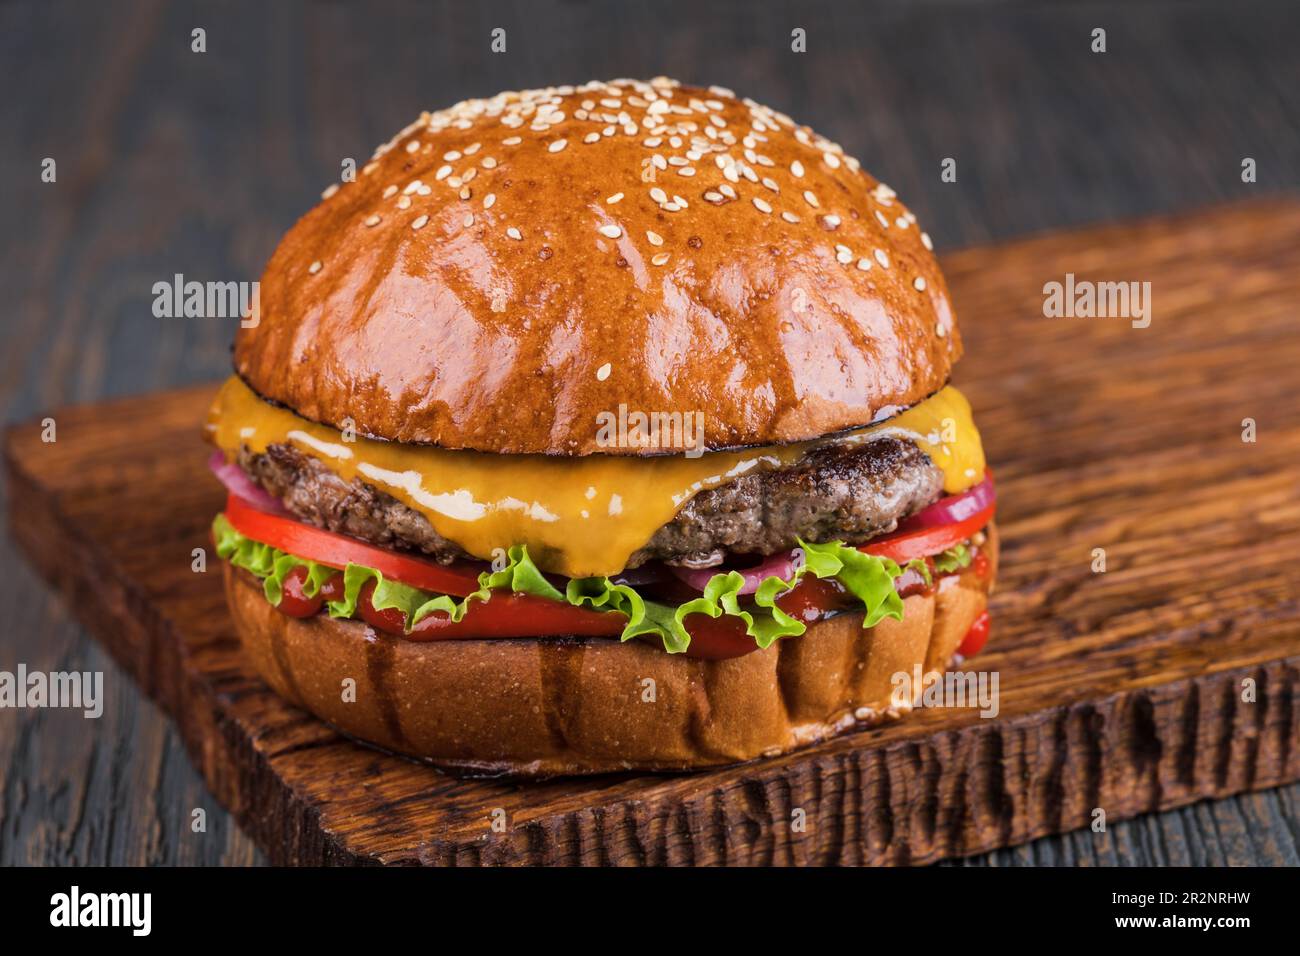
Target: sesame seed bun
{"points": [[504, 271]]}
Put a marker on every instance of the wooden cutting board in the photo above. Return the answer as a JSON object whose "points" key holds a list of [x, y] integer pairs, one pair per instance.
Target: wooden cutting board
{"points": [[1170, 677]]}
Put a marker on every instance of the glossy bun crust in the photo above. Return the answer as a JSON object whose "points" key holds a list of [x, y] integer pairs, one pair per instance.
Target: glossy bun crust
{"points": [[505, 270], [544, 707]]}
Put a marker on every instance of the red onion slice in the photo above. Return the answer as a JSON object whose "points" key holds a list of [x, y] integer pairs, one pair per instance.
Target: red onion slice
{"points": [[241, 486], [953, 508], [778, 565]]}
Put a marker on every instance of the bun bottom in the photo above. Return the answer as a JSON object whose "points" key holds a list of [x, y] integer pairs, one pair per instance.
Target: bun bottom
{"points": [[533, 707]]}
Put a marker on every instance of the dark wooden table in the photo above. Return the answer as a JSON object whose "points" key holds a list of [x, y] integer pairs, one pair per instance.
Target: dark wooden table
{"points": [[171, 161]]}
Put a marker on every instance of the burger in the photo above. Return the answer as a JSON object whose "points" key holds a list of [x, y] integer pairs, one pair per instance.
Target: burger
{"points": [[599, 428]]}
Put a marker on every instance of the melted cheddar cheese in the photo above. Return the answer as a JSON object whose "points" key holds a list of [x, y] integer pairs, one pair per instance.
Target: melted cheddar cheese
{"points": [[578, 516]]}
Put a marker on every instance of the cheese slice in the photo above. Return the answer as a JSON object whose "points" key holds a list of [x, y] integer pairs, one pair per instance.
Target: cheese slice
{"points": [[578, 516]]}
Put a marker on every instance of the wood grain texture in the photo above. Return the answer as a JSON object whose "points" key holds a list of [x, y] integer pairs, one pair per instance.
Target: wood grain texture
{"points": [[175, 162], [1120, 691]]}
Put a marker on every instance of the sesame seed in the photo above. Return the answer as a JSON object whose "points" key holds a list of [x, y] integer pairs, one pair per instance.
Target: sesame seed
{"points": [[442, 173], [925, 241], [489, 162], [655, 238], [832, 160], [465, 192], [591, 138], [686, 171], [660, 259], [727, 191], [884, 223], [468, 221], [711, 196], [488, 200], [761, 206], [472, 148], [512, 141], [420, 222], [390, 192], [789, 217], [451, 156], [901, 222], [558, 145], [844, 256], [882, 258], [864, 264], [330, 190], [426, 190], [372, 220], [612, 231], [658, 195], [809, 198], [602, 373], [919, 284], [614, 198], [831, 222], [404, 202], [514, 233], [413, 146], [940, 331], [314, 267]]}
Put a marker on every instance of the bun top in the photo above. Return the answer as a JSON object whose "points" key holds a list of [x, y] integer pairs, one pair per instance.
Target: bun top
{"points": [[506, 274]]}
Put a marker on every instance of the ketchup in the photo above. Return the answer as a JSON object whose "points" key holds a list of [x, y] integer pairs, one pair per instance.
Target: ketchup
{"points": [[293, 601]]}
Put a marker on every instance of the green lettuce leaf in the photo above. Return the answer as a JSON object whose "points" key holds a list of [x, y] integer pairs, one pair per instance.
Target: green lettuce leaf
{"points": [[868, 578], [953, 559]]}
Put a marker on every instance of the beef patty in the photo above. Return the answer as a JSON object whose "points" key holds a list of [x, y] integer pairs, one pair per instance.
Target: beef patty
{"points": [[841, 492]]}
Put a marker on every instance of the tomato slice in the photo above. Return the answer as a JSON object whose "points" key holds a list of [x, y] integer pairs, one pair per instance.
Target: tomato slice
{"points": [[338, 551], [903, 546]]}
